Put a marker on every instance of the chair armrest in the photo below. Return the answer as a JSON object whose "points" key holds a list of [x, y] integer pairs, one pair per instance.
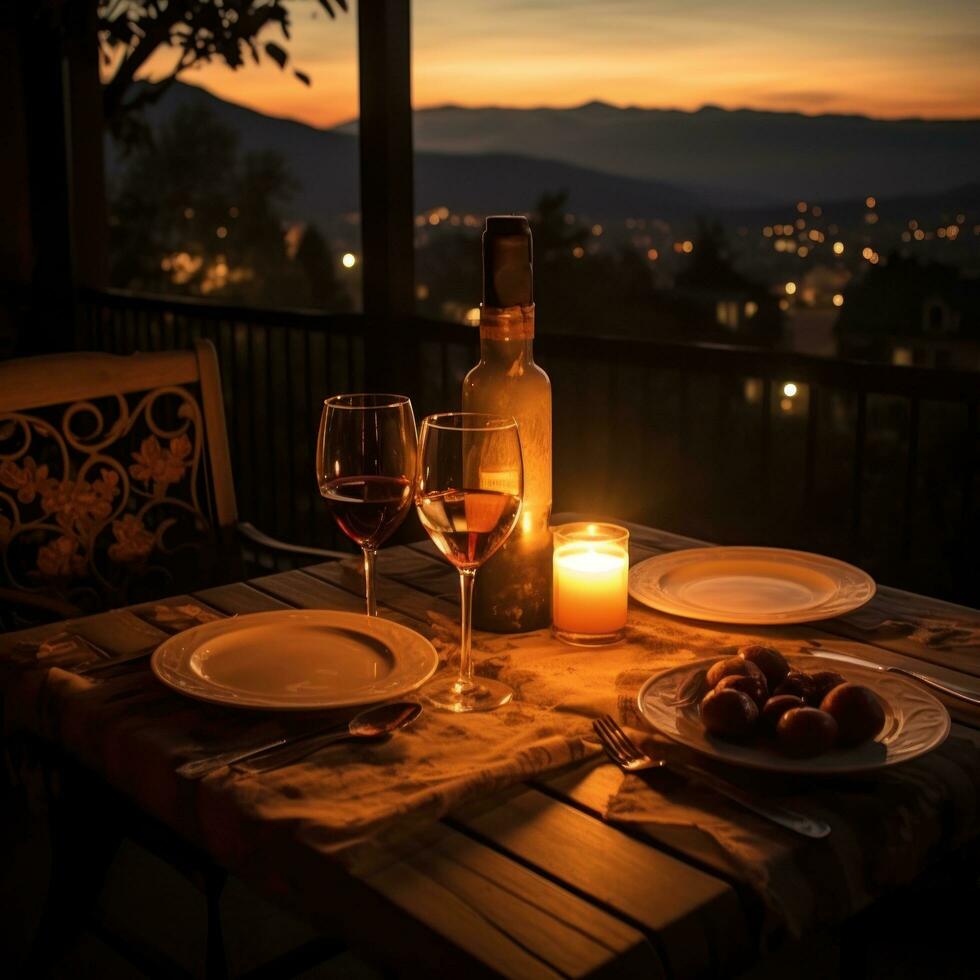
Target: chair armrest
{"points": [[251, 533]]}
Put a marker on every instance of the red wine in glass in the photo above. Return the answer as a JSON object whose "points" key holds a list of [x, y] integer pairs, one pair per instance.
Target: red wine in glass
{"points": [[366, 456], [368, 509]]}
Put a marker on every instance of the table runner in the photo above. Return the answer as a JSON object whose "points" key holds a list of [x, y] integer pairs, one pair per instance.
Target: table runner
{"points": [[887, 827]]}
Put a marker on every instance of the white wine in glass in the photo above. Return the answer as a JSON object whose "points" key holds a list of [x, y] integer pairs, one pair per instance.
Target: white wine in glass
{"points": [[468, 495]]}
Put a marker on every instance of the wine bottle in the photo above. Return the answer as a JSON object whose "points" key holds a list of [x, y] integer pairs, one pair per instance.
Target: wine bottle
{"points": [[513, 589]]}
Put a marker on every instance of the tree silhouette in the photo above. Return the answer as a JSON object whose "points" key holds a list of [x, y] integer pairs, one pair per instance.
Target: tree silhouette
{"points": [[195, 31], [192, 215], [315, 260]]}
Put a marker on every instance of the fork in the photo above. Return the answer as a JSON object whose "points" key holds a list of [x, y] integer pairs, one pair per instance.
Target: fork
{"points": [[622, 750]]}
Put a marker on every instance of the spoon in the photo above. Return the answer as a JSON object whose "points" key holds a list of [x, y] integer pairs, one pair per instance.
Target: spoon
{"points": [[374, 722]]}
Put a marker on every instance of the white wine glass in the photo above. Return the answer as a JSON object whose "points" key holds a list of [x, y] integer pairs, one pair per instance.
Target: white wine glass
{"points": [[366, 458], [468, 494]]}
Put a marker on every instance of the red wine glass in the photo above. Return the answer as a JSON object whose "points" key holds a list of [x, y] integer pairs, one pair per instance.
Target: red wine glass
{"points": [[366, 454]]}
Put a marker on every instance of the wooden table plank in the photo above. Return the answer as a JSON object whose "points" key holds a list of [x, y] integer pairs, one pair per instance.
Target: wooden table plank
{"points": [[240, 598], [589, 788], [509, 917], [306, 592], [392, 594], [694, 918]]}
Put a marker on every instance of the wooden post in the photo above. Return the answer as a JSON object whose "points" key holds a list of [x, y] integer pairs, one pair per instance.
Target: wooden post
{"points": [[387, 185], [86, 128], [49, 174]]}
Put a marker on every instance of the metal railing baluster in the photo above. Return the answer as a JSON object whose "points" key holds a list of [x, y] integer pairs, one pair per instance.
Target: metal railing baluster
{"points": [[911, 468], [857, 473]]}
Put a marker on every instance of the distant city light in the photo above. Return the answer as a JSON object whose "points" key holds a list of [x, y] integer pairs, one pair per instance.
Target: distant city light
{"points": [[597, 230], [803, 251], [222, 232], [790, 288], [919, 234], [816, 211], [472, 318], [443, 213], [867, 252], [789, 389], [838, 248], [421, 291], [838, 299], [801, 207], [233, 212], [767, 231], [688, 246], [751, 308], [653, 254], [349, 260], [800, 223], [784, 304], [578, 251], [188, 213], [870, 202], [434, 219]]}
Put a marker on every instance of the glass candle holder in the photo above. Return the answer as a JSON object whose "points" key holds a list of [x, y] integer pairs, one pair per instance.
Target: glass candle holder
{"points": [[591, 572]]}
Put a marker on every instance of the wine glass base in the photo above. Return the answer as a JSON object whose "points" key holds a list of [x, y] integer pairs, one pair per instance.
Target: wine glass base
{"points": [[483, 695]]}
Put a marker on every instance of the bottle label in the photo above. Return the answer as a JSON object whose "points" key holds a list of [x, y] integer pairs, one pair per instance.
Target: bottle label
{"points": [[507, 323]]}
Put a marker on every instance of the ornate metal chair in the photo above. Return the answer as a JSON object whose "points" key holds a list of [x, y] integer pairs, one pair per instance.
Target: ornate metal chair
{"points": [[115, 488], [116, 484]]}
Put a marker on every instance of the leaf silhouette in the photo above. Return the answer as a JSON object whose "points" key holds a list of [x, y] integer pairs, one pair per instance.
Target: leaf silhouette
{"points": [[276, 53]]}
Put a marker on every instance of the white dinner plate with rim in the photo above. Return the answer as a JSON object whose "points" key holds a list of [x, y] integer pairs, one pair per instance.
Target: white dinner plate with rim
{"points": [[750, 586], [296, 660], [915, 721]]}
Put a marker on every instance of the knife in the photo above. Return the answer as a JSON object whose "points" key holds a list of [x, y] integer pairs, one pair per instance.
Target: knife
{"points": [[953, 692]]}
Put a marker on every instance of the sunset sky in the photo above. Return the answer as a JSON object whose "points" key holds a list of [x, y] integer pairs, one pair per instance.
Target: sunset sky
{"points": [[886, 58]]}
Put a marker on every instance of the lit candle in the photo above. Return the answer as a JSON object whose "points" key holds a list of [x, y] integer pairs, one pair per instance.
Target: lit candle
{"points": [[591, 571]]}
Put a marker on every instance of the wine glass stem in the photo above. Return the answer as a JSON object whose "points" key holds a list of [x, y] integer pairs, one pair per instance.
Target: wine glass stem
{"points": [[369, 555], [465, 681]]}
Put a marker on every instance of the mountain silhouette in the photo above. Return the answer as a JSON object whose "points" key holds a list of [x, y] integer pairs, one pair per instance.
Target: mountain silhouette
{"points": [[729, 157], [324, 164], [619, 163]]}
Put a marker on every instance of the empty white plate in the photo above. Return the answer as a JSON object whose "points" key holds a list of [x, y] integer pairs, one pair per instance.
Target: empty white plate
{"points": [[753, 586], [299, 660]]}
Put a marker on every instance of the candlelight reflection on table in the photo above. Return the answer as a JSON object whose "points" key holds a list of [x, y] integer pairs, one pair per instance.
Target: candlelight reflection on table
{"points": [[591, 571]]}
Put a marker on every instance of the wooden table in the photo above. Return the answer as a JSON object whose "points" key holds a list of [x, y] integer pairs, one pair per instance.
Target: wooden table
{"points": [[536, 884]]}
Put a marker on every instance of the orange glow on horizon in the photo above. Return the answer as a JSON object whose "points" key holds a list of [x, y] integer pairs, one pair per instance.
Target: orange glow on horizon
{"points": [[874, 62]]}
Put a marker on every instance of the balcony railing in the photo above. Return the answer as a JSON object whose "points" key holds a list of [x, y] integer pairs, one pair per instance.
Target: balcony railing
{"points": [[875, 464]]}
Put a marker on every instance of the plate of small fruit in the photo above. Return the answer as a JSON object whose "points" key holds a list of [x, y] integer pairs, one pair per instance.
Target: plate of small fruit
{"points": [[763, 710]]}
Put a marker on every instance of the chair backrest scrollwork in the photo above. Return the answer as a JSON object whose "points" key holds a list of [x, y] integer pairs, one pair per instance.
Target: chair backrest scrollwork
{"points": [[114, 479]]}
